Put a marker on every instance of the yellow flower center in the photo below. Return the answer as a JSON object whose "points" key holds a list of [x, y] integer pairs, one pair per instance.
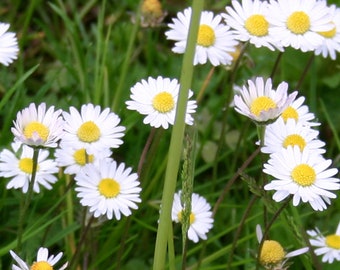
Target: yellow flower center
{"points": [[261, 104], [298, 22], [206, 36], [294, 139], [328, 34], [288, 113], [257, 25], [42, 265], [163, 102], [109, 188], [271, 252], [88, 132], [192, 217], [81, 157], [26, 165], [333, 241], [36, 128], [153, 7], [304, 175]]}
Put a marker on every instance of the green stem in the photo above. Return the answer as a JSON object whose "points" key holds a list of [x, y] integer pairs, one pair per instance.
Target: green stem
{"points": [[176, 141]]}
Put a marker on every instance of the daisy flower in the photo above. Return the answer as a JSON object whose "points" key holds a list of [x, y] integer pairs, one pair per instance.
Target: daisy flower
{"points": [[108, 189], [18, 165], [8, 45], [260, 102], [214, 42], [35, 126], [304, 174], [280, 135], [250, 23], [92, 128], [157, 99], [201, 220], [43, 261], [328, 246], [296, 23]]}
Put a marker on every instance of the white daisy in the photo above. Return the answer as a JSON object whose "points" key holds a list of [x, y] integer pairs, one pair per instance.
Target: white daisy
{"points": [[304, 174], [157, 99], [8, 45], [250, 23], [44, 262], [201, 220], [214, 42], [18, 165], [108, 189], [280, 135], [260, 102], [92, 128], [296, 23], [328, 246], [37, 127]]}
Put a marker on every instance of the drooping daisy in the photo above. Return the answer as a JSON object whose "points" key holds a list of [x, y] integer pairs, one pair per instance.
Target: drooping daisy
{"points": [[18, 165], [108, 189], [201, 220], [328, 246], [296, 23], [304, 174], [214, 41], [280, 135], [92, 129], [157, 99], [8, 45], [44, 262], [260, 102], [250, 23], [37, 127]]}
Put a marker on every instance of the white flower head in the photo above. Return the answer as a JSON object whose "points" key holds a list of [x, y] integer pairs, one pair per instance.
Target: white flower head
{"points": [[108, 189], [92, 128], [304, 174], [157, 99], [260, 102], [8, 45], [327, 246], [18, 166], [201, 220], [214, 42], [35, 126]]}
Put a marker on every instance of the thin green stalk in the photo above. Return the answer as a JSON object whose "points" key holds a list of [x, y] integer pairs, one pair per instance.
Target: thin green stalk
{"points": [[176, 141]]}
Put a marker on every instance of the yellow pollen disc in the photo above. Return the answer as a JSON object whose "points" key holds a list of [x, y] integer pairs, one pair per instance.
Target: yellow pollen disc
{"points": [[257, 25], [26, 165], [81, 157], [109, 188], [328, 34], [36, 128], [153, 7], [42, 265], [288, 113], [304, 175], [333, 241], [206, 36], [261, 104], [88, 132], [271, 253], [192, 217], [163, 102], [294, 139], [298, 22]]}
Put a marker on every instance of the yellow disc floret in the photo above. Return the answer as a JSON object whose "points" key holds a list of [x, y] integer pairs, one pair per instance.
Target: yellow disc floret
{"points": [[36, 128], [290, 113], [109, 188], [257, 25], [206, 36], [42, 265], [271, 252], [262, 104], [304, 175], [81, 157], [88, 132], [163, 102], [294, 139], [333, 241], [298, 22]]}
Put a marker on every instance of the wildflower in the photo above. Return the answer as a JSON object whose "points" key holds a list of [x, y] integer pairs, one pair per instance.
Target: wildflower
{"points": [[92, 129], [201, 220], [152, 13], [214, 41], [18, 165], [8, 45], [108, 189], [250, 23], [304, 174], [328, 246], [260, 102], [37, 127], [44, 262], [157, 98]]}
